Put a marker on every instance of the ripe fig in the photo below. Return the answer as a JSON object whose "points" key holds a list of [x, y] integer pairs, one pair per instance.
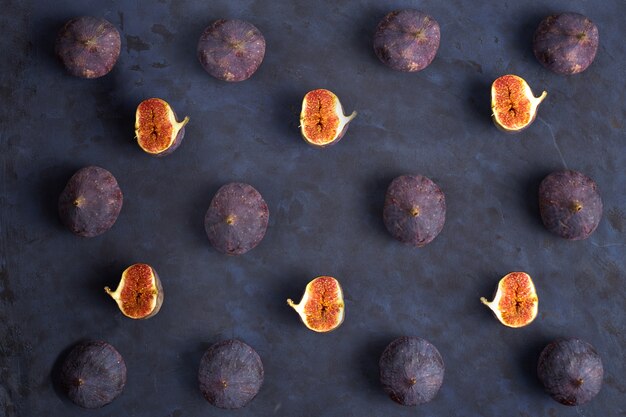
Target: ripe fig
{"points": [[322, 121], [415, 210], [570, 204], [156, 129], [93, 374], [513, 104], [91, 201], [411, 371], [571, 371], [566, 43], [139, 294], [230, 374], [407, 40], [515, 303], [231, 50], [237, 218], [321, 308], [88, 46]]}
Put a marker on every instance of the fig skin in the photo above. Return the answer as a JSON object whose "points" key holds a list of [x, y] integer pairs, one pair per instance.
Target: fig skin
{"points": [[230, 374], [93, 374], [91, 202], [566, 43], [321, 308], [323, 107], [407, 40], [411, 371], [231, 50], [88, 46], [571, 371], [570, 204], [511, 97], [146, 122], [137, 294], [237, 219], [415, 210]]}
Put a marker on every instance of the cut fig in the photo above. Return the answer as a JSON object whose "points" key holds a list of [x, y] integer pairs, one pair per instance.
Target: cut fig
{"points": [[515, 303], [93, 374], [139, 294], [571, 371], [407, 40], [566, 43], [88, 46], [415, 210], [570, 204], [411, 371], [91, 202], [156, 129], [237, 218], [513, 104], [322, 122], [230, 374], [231, 50], [321, 307]]}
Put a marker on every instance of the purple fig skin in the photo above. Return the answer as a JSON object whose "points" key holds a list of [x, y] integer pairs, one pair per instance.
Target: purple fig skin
{"points": [[231, 50], [88, 46]]}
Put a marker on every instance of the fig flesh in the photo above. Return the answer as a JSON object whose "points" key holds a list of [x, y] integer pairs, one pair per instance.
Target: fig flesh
{"points": [[513, 104], [91, 202], [566, 43], [415, 210], [237, 219], [407, 40], [139, 294], [322, 122], [570, 204], [230, 374], [231, 50], [93, 374], [321, 308], [156, 129], [571, 371], [411, 371], [515, 303], [88, 46]]}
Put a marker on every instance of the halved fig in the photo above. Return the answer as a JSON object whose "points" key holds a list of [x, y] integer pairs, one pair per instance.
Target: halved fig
{"points": [[513, 104], [139, 294], [156, 129], [515, 303], [321, 308], [322, 121]]}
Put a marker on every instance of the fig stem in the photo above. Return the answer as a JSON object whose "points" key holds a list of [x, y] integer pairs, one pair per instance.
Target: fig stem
{"points": [[291, 303], [415, 211], [484, 301], [576, 206]]}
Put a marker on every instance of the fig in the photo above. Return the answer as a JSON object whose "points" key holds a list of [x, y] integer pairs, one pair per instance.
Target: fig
{"points": [[231, 50], [322, 122], [91, 202], [156, 129], [415, 210], [88, 46], [570, 204], [230, 374], [93, 374], [237, 218], [513, 104], [139, 294], [515, 303], [411, 370], [321, 307], [571, 371], [407, 40], [566, 43]]}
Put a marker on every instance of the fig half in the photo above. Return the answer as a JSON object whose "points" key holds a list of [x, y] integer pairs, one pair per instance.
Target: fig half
{"points": [[156, 129], [515, 303], [322, 122], [139, 294], [513, 104], [321, 307]]}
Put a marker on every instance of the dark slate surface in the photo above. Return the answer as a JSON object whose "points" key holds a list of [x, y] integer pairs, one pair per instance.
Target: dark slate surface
{"points": [[325, 207]]}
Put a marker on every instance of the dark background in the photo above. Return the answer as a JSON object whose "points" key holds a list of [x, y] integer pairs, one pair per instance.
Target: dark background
{"points": [[325, 207]]}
